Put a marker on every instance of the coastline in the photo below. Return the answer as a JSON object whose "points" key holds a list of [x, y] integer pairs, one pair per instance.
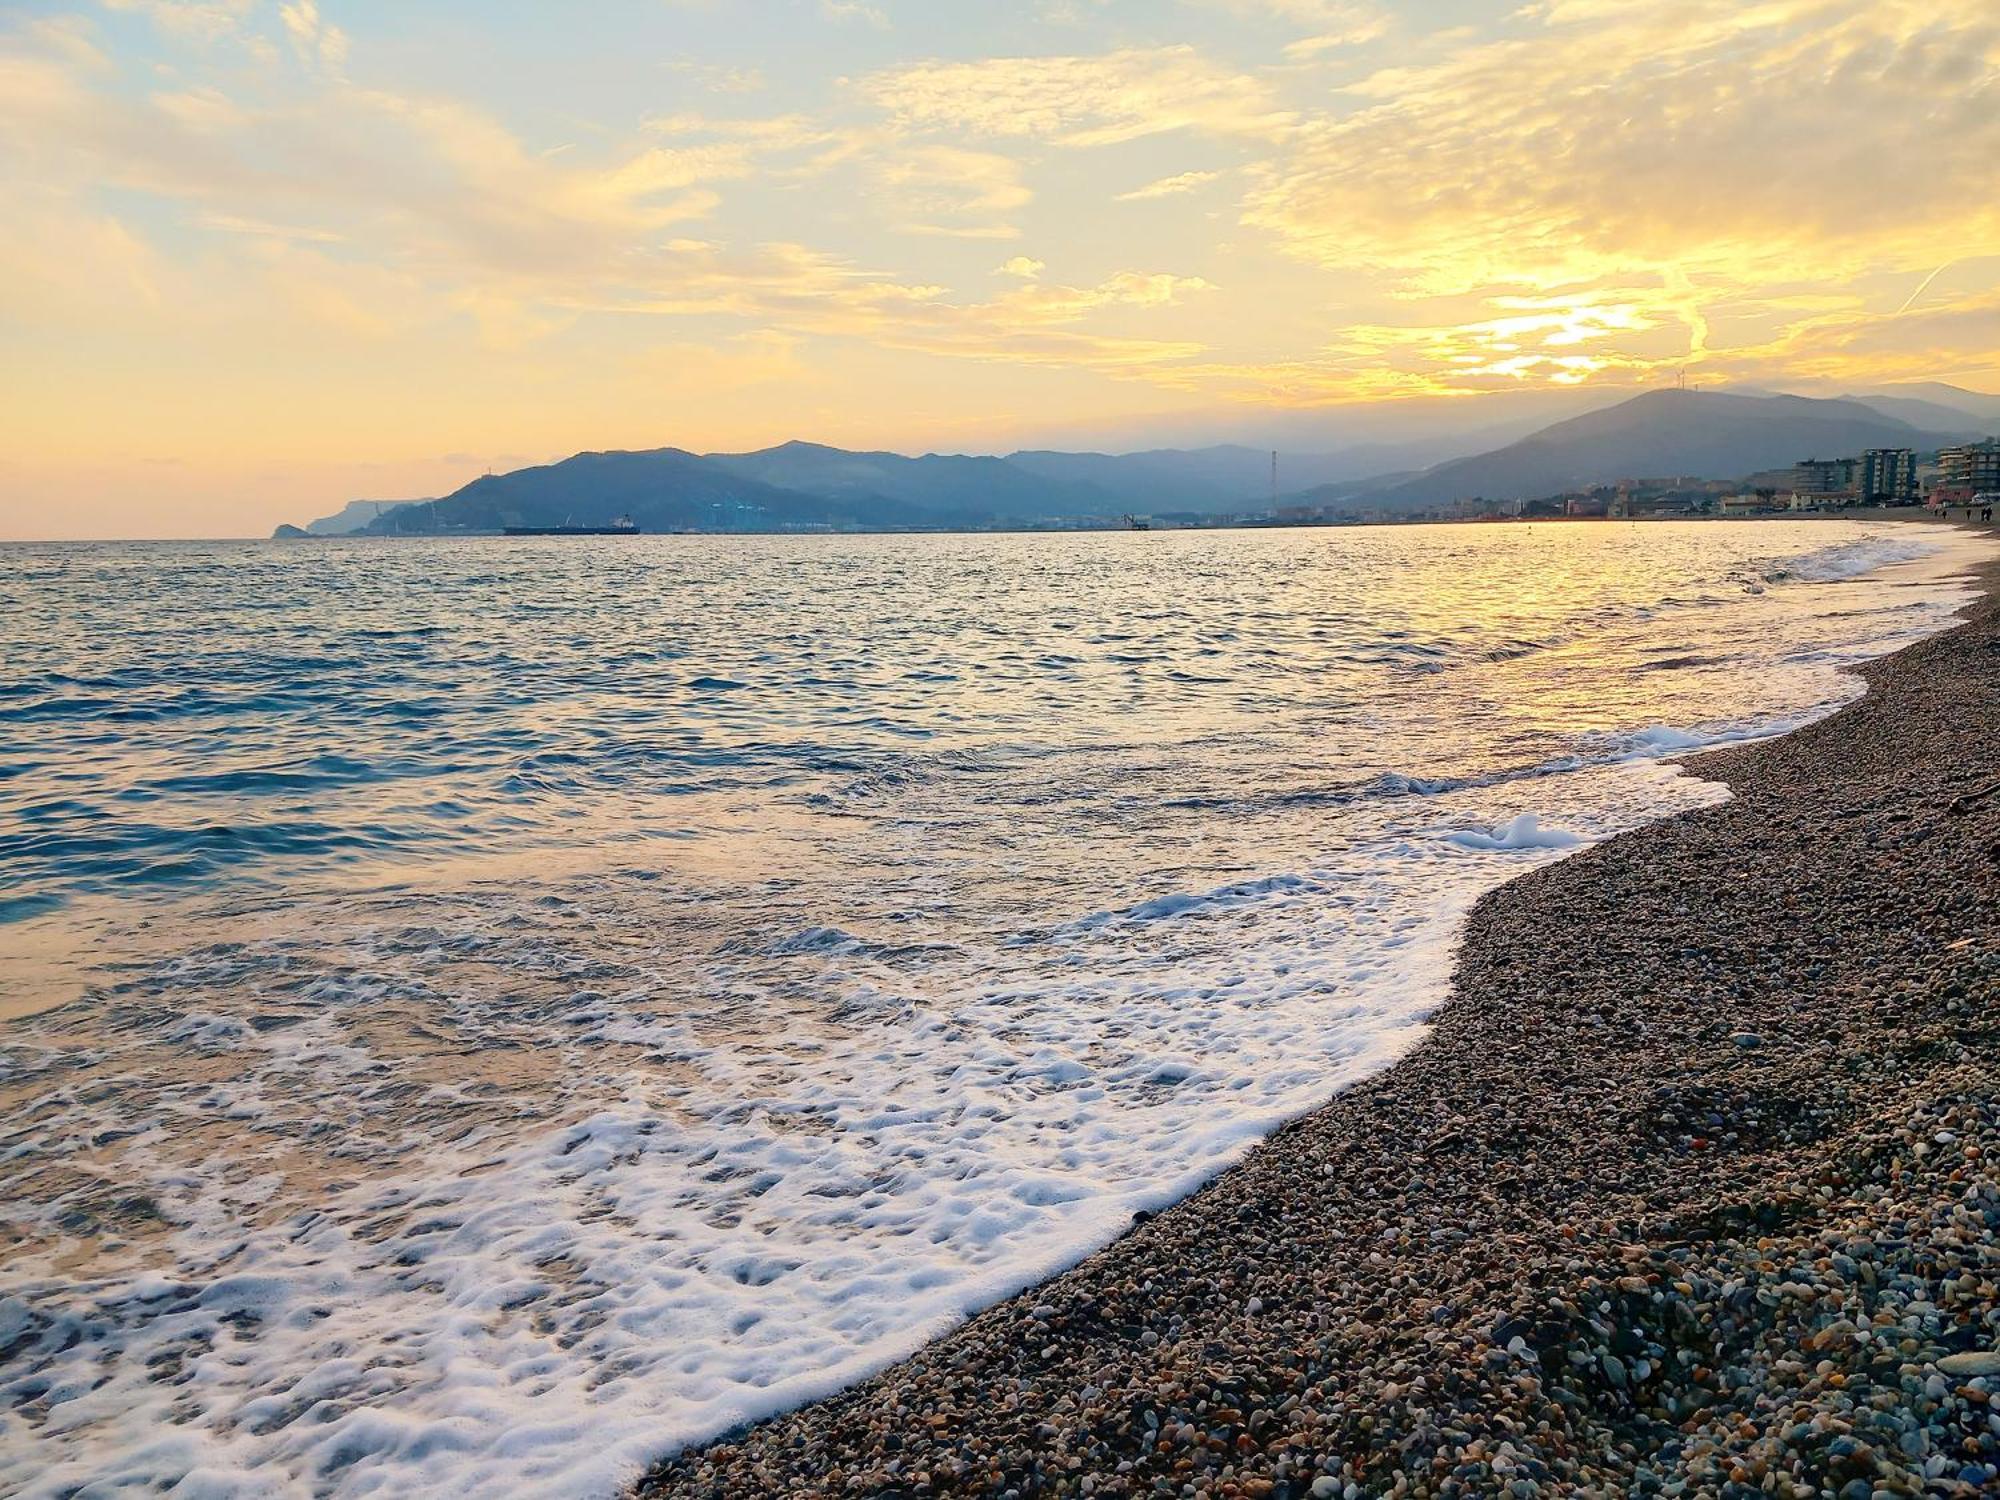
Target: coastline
{"points": [[1846, 513], [1705, 1099]]}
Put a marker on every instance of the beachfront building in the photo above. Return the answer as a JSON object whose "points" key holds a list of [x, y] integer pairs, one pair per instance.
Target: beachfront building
{"points": [[1887, 476], [1964, 471], [1971, 466], [1822, 481]]}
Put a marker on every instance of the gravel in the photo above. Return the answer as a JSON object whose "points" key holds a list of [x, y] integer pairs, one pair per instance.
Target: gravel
{"points": [[1690, 1192]]}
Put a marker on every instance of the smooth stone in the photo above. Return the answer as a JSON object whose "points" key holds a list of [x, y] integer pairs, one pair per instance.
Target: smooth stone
{"points": [[1973, 1362]]}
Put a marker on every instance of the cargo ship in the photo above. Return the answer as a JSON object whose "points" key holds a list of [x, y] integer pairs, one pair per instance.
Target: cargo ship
{"points": [[623, 526]]}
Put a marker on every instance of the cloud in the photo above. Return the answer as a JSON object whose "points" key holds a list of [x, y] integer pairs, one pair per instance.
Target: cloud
{"points": [[719, 78], [200, 21], [1081, 101], [854, 10], [1167, 187], [1035, 324], [804, 291], [949, 190], [1320, 13], [1021, 266], [1957, 339], [1618, 132], [997, 333], [423, 182], [264, 229], [1558, 340], [1065, 12], [66, 268], [314, 39], [761, 133], [1308, 48], [746, 361], [1685, 154], [1334, 23]]}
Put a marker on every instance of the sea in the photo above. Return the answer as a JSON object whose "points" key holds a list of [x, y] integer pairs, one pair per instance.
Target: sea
{"points": [[478, 1014]]}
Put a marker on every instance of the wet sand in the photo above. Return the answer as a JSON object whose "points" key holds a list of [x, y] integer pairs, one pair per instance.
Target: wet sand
{"points": [[1690, 1192]]}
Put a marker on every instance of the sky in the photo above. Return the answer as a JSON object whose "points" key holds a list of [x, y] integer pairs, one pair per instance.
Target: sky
{"points": [[265, 257]]}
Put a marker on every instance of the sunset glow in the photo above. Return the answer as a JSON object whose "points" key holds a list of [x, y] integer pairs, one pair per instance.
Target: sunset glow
{"points": [[268, 257]]}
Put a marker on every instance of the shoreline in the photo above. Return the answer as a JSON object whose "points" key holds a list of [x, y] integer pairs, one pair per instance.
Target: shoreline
{"points": [[1848, 513], [1617, 1226]]}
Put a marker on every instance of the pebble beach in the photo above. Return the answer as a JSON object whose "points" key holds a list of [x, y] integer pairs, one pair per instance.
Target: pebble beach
{"points": [[1690, 1191]]}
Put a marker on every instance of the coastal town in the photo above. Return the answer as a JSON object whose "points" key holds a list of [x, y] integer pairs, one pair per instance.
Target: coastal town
{"points": [[1961, 481]]}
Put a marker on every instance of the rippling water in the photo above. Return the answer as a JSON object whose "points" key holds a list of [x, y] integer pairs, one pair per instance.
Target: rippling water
{"points": [[484, 1012]]}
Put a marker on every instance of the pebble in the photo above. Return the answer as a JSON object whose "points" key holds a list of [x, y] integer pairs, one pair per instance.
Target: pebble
{"points": [[1983, 1362]]}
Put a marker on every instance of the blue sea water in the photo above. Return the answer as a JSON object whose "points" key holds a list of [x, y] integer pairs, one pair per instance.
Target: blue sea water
{"points": [[482, 1012]]}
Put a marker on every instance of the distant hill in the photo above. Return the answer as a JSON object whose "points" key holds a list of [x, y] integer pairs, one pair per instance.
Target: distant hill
{"points": [[801, 484], [1415, 431], [663, 489], [1659, 434], [940, 483], [1980, 408], [1233, 477], [1227, 476], [350, 518], [1932, 416]]}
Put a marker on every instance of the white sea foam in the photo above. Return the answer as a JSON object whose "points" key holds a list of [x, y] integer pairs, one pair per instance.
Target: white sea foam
{"points": [[1523, 831], [1854, 559], [543, 1315]]}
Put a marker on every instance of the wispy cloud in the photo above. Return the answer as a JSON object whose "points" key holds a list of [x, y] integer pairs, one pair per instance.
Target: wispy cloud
{"points": [[720, 78], [854, 10], [950, 190], [315, 39], [1167, 187], [1082, 101], [189, 20], [1332, 23]]}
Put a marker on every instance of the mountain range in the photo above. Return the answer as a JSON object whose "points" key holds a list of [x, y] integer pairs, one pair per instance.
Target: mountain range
{"points": [[1657, 434], [1661, 435]]}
